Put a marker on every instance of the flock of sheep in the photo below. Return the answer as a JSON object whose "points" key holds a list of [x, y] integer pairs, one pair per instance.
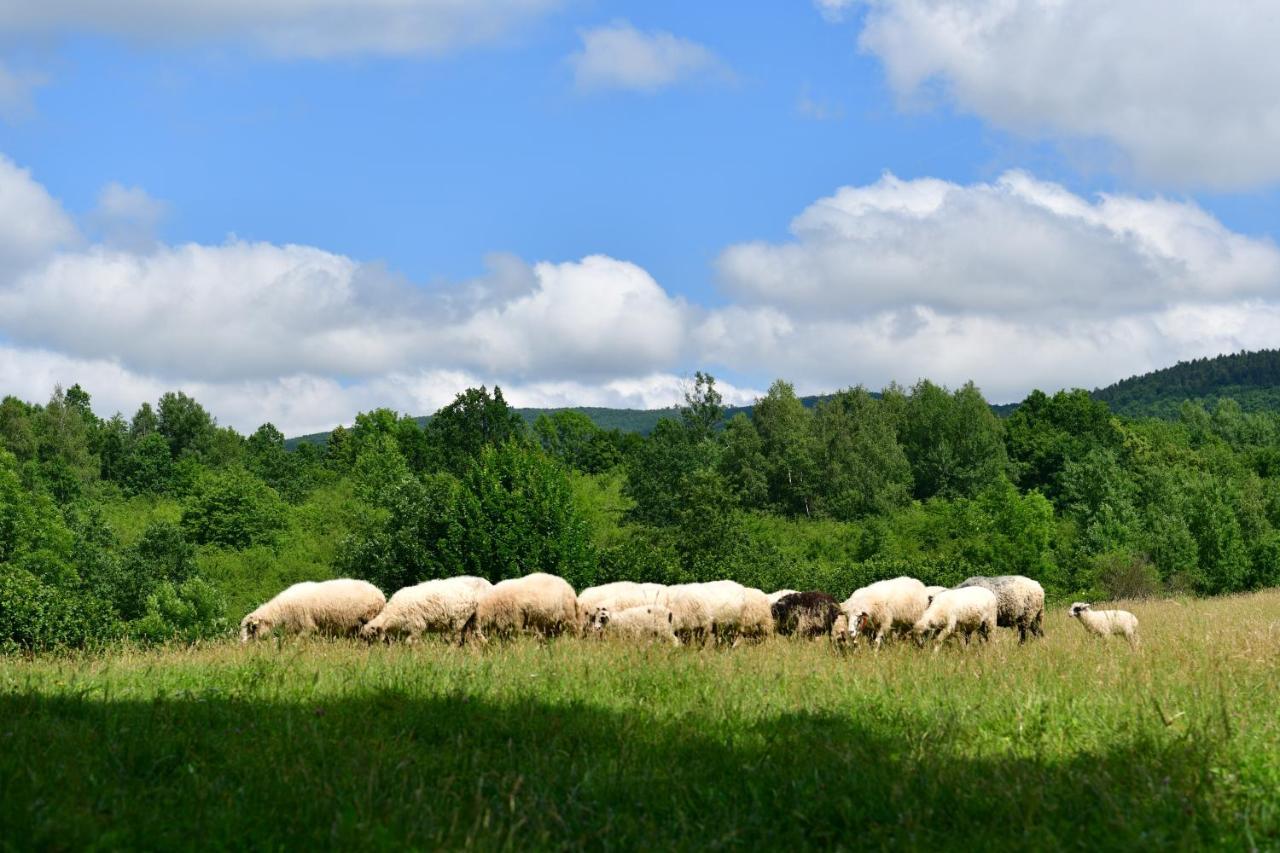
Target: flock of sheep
{"points": [[465, 608]]}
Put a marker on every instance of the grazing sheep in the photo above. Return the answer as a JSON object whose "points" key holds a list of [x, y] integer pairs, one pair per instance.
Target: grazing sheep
{"points": [[615, 596], [782, 593], [1021, 602], [1105, 622], [649, 622], [931, 591], [691, 615], [805, 614], [725, 610], [884, 606], [958, 611], [436, 606], [338, 607], [539, 604]]}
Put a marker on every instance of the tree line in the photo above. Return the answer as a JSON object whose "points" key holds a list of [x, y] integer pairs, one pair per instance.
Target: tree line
{"points": [[167, 525]]}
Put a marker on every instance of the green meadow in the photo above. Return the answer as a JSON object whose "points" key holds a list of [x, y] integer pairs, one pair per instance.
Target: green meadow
{"points": [[1070, 743]]}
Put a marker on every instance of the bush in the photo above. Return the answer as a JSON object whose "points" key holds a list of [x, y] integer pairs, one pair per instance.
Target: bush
{"points": [[35, 616], [233, 509], [194, 610], [1126, 575]]}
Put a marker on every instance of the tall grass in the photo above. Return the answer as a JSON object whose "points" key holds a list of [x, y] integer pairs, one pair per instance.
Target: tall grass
{"points": [[1068, 743]]}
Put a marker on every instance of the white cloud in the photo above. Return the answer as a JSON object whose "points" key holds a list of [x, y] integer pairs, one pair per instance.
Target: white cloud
{"points": [[619, 56], [32, 223], [1014, 284], [1014, 248], [294, 28], [15, 91], [1184, 89]]}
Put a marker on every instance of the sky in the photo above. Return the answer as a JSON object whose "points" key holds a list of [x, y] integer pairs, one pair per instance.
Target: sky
{"points": [[296, 210]]}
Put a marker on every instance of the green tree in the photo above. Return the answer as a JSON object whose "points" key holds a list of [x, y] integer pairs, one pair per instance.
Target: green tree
{"points": [[861, 468], [703, 408], [787, 440], [953, 441], [185, 424], [234, 509], [474, 420]]}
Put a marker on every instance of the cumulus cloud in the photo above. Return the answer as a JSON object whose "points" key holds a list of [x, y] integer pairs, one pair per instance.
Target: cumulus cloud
{"points": [[293, 28], [304, 336], [32, 222], [1184, 89], [1014, 284], [619, 56], [1017, 247]]}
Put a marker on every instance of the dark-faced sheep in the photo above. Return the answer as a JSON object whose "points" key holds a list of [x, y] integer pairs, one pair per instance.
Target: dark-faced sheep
{"points": [[805, 614]]}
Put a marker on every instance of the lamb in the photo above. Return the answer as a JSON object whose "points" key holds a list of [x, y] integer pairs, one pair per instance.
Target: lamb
{"points": [[335, 607], [650, 622], [884, 606], [615, 596], [539, 603], [1021, 602], [1105, 622], [958, 611], [805, 614], [436, 606], [782, 593]]}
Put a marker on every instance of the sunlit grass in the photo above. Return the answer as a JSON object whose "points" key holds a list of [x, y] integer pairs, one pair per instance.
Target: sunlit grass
{"points": [[1069, 743]]}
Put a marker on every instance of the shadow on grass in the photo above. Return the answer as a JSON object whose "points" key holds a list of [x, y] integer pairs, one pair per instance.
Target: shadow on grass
{"points": [[396, 770]]}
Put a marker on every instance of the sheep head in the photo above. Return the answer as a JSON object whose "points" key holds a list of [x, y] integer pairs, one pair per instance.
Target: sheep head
{"points": [[601, 618], [1078, 608]]}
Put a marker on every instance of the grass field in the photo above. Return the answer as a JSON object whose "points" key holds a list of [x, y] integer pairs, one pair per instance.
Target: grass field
{"points": [[1069, 743]]}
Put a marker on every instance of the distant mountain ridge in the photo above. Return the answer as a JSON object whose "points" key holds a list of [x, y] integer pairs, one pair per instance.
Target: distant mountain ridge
{"points": [[1252, 379]]}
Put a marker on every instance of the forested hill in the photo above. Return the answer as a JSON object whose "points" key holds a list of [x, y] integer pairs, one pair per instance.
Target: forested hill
{"points": [[1252, 379], [640, 421]]}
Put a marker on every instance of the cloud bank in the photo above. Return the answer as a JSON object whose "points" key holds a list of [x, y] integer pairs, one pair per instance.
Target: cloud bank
{"points": [[1015, 284], [1184, 90]]}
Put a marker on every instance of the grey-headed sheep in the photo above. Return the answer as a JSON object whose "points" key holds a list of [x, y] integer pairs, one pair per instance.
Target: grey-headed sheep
{"points": [[335, 607]]}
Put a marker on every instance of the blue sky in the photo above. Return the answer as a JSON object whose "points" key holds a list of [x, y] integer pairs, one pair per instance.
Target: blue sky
{"points": [[343, 204]]}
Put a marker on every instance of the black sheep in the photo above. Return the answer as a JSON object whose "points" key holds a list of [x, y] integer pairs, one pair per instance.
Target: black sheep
{"points": [[806, 614]]}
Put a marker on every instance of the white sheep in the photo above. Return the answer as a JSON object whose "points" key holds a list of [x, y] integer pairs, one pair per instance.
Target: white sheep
{"points": [[538, 603], [958, 611], [1020, 600], [782, 593], [884, 606], [616, 596], [691, 612], [339, 607], [437, 606], [1106, 622], [649, 622]]}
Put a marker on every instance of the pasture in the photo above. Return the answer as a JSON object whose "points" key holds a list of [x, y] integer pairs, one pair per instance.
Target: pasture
{"points": [[1070, 743]]}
